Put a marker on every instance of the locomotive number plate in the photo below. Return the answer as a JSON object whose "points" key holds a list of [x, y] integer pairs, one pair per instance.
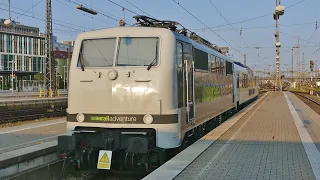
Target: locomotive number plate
{"points": [[104, 160]]}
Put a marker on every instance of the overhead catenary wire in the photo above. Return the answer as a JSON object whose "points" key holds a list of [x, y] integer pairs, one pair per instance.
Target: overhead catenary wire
{"points": [[23, 14], [42, 19], [262, 47], [138, 8], [80, 12], [254, 18], [208, 27], [123, 7], [299, 38], [311, 35], [228, 22], [259, 27], [29, 9], [108, 15]]}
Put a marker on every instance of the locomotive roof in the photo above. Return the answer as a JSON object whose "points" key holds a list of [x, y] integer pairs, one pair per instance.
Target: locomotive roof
{"points": [[138, 31]]}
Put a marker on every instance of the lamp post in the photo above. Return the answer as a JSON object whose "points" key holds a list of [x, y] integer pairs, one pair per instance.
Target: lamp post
{"points": [[279, 11], [1, 83], [12, 67], [64, 77]]}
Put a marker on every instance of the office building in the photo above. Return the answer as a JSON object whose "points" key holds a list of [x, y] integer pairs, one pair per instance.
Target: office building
{"points": [[23, 51]]}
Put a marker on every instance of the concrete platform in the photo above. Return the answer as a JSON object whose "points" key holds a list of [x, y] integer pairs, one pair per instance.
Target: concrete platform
{"points": [[9, 94], [24, 159], [29, 146], [18, 137], [277, 137]]}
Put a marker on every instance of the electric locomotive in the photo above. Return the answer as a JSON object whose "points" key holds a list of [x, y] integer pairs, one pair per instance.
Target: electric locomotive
{"points": [[137, 92]]}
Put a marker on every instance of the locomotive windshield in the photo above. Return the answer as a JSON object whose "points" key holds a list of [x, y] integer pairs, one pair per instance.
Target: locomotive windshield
{"points": [[137, 51], [97, 53], [132, 51]]}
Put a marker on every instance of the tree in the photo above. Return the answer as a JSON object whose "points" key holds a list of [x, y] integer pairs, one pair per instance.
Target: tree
{"points": [[39, 76]]}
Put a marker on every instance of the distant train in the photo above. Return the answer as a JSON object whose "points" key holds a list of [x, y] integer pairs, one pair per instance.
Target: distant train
{"points": [[137, 92]]}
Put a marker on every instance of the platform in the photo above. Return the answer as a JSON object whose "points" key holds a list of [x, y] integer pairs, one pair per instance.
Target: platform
{"points": [[12, 138], [25, 99], [4, 95], [28, 146], [276, 137]]}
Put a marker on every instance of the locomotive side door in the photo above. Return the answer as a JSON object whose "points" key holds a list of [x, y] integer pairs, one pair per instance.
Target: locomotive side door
{"points": [[188, 66]]}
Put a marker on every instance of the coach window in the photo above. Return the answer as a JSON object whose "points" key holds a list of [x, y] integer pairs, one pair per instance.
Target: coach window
{"points": [[97, 52], [217, 65], [238, 81], [209, 62], [229, 68], [138, 51], [255, 81], [213, 64], [201, 60], [222, 66], [243, 80]]}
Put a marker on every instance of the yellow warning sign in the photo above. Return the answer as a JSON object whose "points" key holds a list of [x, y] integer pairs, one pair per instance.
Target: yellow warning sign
{"points": [[104, 160]]}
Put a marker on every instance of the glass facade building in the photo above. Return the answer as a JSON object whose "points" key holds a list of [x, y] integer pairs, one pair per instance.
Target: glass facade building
{"points": [[23, 51], [21, 48]]}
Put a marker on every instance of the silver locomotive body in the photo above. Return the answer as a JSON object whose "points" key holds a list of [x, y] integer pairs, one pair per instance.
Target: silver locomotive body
{"points": [[138, 91]]}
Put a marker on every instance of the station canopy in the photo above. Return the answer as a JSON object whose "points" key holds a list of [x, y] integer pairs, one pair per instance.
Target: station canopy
{"points": [[18, 73]]}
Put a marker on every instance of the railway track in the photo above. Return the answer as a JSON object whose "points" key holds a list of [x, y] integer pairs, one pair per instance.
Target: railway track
{"points": [[29, 114], [309, 100], [12, 111]]}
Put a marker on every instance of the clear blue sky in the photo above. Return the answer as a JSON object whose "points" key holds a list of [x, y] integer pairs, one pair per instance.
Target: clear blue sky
{"points": [[299, 20]]}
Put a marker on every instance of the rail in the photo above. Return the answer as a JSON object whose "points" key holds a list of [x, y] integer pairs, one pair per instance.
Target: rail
{"points": [[310, 99], [12, 111], [30, 114]]}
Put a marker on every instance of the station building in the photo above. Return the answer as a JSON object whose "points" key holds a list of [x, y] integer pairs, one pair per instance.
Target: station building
{"points": [[23, 52]]}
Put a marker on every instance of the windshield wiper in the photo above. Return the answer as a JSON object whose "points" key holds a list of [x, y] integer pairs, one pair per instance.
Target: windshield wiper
{"points": [[154, 60], [151, 64]]}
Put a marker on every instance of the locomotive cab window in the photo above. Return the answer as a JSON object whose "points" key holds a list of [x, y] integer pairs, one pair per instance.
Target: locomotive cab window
{"points": [[138, 51], [97, 53]]}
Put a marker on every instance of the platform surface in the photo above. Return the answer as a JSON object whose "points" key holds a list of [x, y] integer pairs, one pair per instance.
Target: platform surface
{"points": [[277, 138], [17, 137]]}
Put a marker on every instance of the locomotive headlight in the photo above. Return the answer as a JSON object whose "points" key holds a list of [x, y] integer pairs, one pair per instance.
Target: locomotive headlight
{"points": [[80, 117], [148, 119], [113, 74]]}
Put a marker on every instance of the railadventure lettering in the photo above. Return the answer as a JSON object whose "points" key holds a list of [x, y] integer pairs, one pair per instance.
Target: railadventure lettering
{"points": [[114, 118]]}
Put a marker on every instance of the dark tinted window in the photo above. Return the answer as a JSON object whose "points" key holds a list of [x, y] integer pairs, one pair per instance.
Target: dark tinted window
{"points": [[201, 60], [229, 69]]}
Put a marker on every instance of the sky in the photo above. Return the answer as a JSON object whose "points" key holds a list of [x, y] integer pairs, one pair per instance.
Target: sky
{"points": [[299, 20]]}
